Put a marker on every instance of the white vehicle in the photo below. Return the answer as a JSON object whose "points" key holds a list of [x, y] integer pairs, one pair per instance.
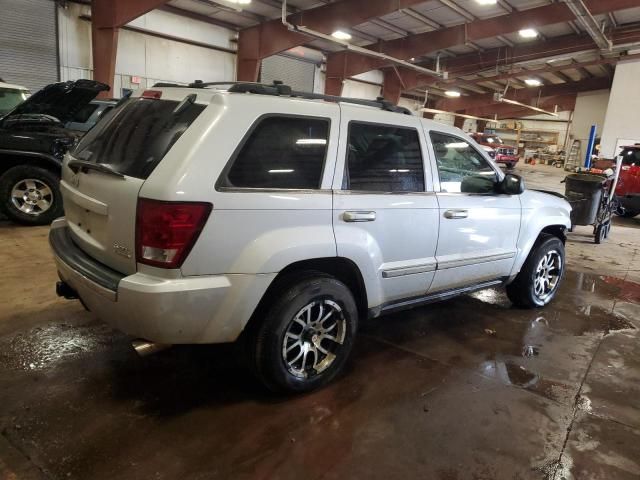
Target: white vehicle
{"points": [[11, 96], [201, 215]]}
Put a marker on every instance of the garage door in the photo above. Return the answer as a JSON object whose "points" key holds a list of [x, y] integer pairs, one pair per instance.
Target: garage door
{"points": [[295, 73], [28, 42]]}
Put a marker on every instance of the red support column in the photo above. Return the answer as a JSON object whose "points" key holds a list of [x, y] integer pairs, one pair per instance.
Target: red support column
{"points": [[458, 121], [104, 47], [481, 125], [248, 57]]}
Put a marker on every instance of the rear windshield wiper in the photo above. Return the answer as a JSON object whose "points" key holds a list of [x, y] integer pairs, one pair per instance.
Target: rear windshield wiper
{"points": [[76, 165]]}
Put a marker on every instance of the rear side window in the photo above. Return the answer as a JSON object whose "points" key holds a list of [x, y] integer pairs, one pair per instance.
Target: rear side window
{"points": [[383, 158], [281, 152], [135, 137]]}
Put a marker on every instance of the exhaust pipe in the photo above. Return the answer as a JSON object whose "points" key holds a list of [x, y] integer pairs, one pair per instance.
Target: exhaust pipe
{"points": [[144, 348], [63, 289]]}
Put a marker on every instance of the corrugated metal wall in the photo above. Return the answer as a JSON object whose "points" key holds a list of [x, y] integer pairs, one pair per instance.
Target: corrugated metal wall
{"points": [[28, 42], [297, 74]]}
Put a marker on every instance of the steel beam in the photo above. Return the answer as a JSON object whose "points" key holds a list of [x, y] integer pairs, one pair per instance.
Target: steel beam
{"points": [[525, 95], [429, 42], [272, 37]]}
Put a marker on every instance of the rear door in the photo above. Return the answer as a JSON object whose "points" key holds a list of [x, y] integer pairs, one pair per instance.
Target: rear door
{"points": [[103, 175], [479, 227], [385, 211]]}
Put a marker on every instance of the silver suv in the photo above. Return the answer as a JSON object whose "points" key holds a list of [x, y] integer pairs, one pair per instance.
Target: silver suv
{"points": [[282, 219]]}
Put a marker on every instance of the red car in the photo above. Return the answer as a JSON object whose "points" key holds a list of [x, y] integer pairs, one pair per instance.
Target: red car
{"points": [[628, 189], [504, 153]]}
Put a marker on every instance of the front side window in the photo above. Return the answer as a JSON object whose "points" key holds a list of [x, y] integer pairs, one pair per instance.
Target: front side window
{"points": [[281, 152], [462, 169], [383, 158]]}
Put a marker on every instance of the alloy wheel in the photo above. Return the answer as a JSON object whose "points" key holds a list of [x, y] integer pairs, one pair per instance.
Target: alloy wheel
{"points": [[32, 196], [548, 274], [313, 338]]}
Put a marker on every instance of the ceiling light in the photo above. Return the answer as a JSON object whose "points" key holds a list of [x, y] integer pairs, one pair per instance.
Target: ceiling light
{"points": [[528, 33], [340, 35], [240, 2], [487, 2], [533, 82], [452, 93]]}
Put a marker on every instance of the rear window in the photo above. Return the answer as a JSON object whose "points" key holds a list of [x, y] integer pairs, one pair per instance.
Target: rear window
{"points": [[134, 138], [281, 152]]}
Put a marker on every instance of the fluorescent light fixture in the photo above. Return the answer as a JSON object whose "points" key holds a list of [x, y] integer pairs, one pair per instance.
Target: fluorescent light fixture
{"points": [[311, 141], [282, 170], [487, 2], [340, 35], [240, 2], [452, 93], [399, 170], [533, 82], [528, 33]]}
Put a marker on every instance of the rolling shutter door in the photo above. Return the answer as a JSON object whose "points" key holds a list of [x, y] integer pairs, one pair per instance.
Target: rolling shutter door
{"points": [[295, 73], [28, 43]]}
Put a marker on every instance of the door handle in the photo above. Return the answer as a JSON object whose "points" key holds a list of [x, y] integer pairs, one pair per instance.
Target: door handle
{"points": [[455, 214], [359, 216]]}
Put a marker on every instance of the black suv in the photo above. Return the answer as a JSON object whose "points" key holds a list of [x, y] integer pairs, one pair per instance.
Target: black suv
{"points": [[33, 140]]}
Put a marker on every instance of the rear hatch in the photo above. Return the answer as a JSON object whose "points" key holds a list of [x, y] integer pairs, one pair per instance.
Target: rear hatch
{"points": [[103, 175]]}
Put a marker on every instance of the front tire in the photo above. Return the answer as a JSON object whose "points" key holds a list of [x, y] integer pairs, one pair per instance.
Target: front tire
{"points": [[30, 195], [541, 275], [306, 336]]}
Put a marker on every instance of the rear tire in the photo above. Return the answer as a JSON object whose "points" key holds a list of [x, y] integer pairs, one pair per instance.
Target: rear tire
{"points": [[541, 275], [30, 195], [306, 335]]}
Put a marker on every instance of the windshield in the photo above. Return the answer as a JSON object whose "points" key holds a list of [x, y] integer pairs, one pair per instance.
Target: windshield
{"points": [[133, 138], [10, 98]]}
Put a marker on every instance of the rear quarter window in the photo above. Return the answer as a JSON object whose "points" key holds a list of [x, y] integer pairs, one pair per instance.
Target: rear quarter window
{"points": [[133, 138], [280, 152]]}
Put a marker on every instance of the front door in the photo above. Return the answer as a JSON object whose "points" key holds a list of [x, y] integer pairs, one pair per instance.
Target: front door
{"points": [[478, 227], [385, 210]]}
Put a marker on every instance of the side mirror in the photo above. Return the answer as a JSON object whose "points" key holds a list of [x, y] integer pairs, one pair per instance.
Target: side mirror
{"points": [[512, 184]]}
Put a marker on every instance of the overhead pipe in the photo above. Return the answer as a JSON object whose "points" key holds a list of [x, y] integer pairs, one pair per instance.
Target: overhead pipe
{"points": [[354, 48], [590, 24]]}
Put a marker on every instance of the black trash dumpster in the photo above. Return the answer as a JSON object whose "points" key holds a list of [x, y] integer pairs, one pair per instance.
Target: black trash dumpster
{"points": [[584, 193]]}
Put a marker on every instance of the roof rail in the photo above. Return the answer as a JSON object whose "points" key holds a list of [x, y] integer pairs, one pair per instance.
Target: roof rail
{"points": [[277, 88]]}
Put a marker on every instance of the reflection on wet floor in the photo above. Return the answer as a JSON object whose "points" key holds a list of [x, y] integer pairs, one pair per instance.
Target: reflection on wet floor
{"points": [[468, 388]]}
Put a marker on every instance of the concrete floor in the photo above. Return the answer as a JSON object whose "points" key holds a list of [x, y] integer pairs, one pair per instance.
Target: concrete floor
{"points": [[466, 389]]}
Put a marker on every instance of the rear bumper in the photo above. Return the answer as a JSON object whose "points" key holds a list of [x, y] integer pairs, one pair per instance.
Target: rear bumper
{"points": [[630, 202], [507, 159], [202, 309]]}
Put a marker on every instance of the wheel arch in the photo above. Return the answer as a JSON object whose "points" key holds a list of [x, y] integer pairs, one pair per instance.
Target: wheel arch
{"points": [[11, 158], [341, 268]]}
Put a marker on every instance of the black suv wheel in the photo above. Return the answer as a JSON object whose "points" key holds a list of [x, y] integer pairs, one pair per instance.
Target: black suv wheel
{"points": [[306, 336], [30, 195]]}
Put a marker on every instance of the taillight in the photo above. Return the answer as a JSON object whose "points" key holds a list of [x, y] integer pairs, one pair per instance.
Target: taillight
{"points": [[166, 231]]}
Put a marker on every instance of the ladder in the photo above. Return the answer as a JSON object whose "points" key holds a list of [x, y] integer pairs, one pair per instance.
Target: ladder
{"points": [[572, 161]]}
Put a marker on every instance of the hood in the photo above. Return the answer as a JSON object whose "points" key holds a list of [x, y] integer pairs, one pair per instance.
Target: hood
{"points": [[59, 100]]}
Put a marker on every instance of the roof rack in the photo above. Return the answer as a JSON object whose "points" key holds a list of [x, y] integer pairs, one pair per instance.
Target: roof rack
{"points": [[277, 88]]}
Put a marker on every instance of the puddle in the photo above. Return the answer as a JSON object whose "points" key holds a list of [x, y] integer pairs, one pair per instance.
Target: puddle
{"points": [[44, 347]]}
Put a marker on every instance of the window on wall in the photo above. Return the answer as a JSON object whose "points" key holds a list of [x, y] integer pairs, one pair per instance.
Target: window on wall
{"points": [[383, 158], [282, 152], [461, 167]]}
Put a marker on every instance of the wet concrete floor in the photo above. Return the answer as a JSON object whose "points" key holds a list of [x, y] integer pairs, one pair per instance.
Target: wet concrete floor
{"points": [[466, 389]]}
